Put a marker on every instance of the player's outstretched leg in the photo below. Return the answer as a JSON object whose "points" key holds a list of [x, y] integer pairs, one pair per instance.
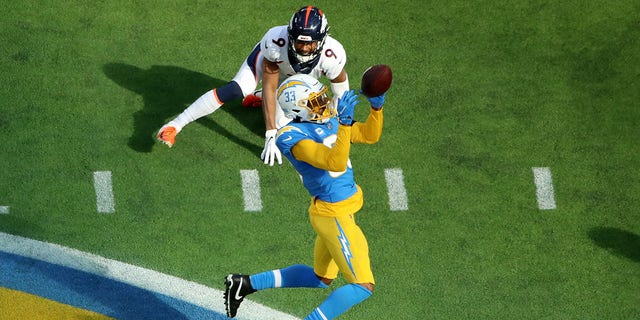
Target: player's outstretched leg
{"points": [[237, 286], [207, 104]]}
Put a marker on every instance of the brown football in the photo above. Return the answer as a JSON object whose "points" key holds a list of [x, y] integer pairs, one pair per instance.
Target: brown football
{"points": [[376, 80]]}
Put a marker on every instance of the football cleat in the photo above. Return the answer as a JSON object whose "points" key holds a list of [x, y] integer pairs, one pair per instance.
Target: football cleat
{"points": [[253, 100], [167, 135], [237, 286]]}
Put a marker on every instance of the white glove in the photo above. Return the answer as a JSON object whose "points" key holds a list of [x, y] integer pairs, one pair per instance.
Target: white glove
{"points": [[270, 152]]}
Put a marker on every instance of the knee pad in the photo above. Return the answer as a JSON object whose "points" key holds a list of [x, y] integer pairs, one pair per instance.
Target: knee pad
{"points": [[228, 92]]}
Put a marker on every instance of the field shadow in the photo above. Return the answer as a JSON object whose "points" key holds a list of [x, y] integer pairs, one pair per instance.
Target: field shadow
{"points": [[166, 92], [619, 242]]}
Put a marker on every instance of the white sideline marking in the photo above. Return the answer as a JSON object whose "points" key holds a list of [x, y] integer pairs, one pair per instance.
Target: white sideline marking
{"points": [[544, 188], [251, 190], [4, 210], [396, 189], [104, 191], [184, 290]]}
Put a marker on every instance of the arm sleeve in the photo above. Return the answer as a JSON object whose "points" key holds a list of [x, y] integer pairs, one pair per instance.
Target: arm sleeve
{"points": [[370, 131], [339, 88], [323, 157]]}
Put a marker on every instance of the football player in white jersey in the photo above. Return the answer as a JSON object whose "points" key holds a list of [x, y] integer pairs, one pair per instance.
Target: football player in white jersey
{"points": [[304, 46]]}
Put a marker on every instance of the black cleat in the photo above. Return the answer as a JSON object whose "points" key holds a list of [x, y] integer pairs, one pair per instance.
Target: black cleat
{"points": [[237, 287]]}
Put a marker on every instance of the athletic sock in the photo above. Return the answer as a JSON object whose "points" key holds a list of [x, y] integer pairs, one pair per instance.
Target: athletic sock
{"points": [[295, 276], [205, 105], [339, 302]]}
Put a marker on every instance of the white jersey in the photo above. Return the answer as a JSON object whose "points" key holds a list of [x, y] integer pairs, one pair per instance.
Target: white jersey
{"points": [[274, 47]]}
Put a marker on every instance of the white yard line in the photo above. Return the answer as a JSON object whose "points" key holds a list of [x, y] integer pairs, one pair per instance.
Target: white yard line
{"points": [[104, 192], [544, 188], [251, 190], [184, 290], [395, 188], [4, 210]]}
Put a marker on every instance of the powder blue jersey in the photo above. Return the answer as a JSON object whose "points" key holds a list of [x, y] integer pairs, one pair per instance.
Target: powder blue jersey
{"points": [[322, 184]]}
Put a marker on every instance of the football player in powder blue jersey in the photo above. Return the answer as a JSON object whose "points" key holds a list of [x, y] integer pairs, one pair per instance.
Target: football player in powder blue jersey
{"points": [[317, 142]]}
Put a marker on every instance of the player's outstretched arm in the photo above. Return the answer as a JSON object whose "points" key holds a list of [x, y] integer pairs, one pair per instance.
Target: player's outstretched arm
{"points": [[335, 158], [370, 131], [270, 154]]}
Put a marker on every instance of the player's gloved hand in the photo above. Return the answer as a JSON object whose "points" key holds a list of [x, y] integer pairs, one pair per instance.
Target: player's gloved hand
{"points": [[346, 106], [377, 102], [270, 153]]}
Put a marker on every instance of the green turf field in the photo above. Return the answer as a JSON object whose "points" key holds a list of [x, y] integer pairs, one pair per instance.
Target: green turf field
{"points": [[483, 92]]}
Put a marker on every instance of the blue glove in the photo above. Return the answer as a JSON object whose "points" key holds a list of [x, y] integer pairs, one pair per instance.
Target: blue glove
{"points": [[377, 102], [346, 106]]}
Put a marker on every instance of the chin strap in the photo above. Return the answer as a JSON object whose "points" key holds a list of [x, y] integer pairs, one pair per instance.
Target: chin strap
{"points": [[302, 67]]}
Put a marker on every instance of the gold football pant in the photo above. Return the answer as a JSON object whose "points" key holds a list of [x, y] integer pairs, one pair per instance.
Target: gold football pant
{"points": [[340, 244]]}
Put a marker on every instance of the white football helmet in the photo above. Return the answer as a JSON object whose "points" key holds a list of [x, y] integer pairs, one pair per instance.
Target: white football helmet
{"points": [[304, 98]]}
